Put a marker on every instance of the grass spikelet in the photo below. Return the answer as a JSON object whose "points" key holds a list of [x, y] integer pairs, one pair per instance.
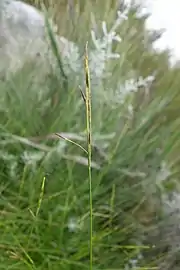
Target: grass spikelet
{"points": [[89, 142]]}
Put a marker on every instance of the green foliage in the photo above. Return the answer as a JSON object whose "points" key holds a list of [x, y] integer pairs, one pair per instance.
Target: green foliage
{"points": [[45, 212]]}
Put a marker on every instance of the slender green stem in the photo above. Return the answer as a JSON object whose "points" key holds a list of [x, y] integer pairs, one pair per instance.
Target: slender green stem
{"points": [[89, 142]]}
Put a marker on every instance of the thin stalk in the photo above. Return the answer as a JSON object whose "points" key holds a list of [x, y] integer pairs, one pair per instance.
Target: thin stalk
{"points": [[89, 144]]}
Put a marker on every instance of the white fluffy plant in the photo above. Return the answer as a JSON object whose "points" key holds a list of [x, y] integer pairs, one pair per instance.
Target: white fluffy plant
{"points": [[100, 54], [103, 52], [100, 60]]}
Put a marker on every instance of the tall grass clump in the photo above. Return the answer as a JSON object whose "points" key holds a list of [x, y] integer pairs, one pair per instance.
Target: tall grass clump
{"points": [[89, 161]]}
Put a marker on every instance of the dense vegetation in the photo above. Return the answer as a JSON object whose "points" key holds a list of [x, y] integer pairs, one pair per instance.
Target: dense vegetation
{"points": [[45, 219]]}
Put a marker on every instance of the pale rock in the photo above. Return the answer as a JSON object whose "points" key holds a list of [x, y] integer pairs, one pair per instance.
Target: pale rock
{"points": [[23, 37]]}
